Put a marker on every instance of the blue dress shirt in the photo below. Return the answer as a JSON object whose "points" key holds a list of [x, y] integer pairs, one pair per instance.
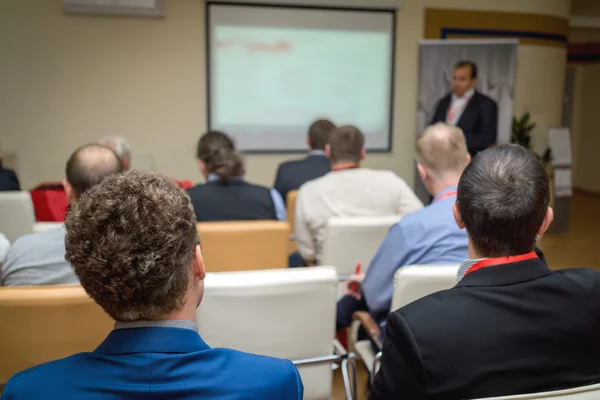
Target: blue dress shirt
{"points": [[427, 236], [280, 210]]}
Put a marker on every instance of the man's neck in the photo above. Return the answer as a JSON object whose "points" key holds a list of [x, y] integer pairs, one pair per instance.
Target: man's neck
{"points": [[439, 186], [465, 94], [186, 313], [344, 164]]}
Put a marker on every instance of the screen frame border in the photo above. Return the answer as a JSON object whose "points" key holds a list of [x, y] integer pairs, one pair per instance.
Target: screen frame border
{"points": [[208, 59]]}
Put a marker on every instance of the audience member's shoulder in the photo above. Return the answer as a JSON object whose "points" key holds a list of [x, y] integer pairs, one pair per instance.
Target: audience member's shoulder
{"points": [[314, 184], [48, 236], [29, 382], [584, 277], [277, 372], [291, 164]]}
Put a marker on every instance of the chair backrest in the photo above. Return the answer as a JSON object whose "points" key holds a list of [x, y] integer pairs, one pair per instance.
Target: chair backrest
{"points": [[290, 200], [415, 281], [350, 240], [287, 313], [16, 214], [591, 392], [40, 324], [244, 245]]}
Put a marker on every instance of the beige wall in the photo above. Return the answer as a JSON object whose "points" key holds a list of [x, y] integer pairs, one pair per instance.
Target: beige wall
{"points": [[585, 122], [67, 80]]}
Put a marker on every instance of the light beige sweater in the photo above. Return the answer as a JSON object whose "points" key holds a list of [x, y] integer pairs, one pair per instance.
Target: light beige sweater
{"points": [[347, 193]]}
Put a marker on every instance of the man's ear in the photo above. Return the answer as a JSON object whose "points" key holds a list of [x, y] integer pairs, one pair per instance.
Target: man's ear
{"points": [[328, 150], [547, 221], [69, 191], [457, 216], [422, 172], [199, 267], [363, 153]]}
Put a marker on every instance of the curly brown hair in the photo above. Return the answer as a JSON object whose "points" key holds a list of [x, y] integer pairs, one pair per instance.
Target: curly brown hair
{"points": [[131, 242]]}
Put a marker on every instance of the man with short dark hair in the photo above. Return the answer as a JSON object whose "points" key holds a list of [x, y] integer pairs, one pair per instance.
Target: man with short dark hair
{"points": [[347, 191], [132, 242], [39, 258], [293, 174], [510, 325], [473, 112]]}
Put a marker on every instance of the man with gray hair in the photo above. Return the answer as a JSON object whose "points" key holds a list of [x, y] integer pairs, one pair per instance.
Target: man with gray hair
{"points": [[427, 236], [121, 146]]}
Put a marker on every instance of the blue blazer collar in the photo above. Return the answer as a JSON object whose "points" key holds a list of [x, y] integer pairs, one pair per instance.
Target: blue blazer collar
{"points": [[152, 340]]}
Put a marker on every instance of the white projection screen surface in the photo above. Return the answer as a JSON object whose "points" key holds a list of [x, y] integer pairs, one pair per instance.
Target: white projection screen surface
{"points": [[273, 70]]}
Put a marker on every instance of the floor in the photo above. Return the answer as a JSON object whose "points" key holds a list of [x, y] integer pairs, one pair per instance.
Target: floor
{"points": [[574, 248]]}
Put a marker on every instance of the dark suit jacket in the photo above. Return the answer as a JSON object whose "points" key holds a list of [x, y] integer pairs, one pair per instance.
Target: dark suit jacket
{"points": [[8, 180], [479, 120], [293, 174], [502, 330], [158, 363]]}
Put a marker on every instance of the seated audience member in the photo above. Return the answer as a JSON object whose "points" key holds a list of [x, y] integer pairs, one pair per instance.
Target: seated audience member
{"points": [[347, 191], [511, 325], [8, 178], [226, 196], [138, 256], [427, 236], [121, 146], [39, 258], [293, 174]]}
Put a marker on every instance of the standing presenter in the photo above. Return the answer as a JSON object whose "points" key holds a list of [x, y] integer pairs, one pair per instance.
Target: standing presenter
{"points": [[473, 112]]}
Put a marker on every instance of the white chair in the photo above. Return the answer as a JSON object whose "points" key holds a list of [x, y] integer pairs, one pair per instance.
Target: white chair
{"points": [[591, 392], [16, 214], [410, 283], [352, 240], [286, 313]]}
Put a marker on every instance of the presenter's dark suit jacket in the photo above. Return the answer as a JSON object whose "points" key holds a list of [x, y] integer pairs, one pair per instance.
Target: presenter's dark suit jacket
{"points": [[158, 363], [8, 180], [479, 120], [502, 330], [293, 174]]}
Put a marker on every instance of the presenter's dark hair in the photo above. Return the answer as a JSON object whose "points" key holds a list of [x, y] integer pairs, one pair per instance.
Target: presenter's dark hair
{"points": [[346, 144], [470, 64], [217, 151], [89, 165], [318, 134], [503, 195]]}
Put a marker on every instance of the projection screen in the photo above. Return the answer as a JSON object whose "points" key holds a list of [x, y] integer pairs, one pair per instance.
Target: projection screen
{"points": [[273, 70]]}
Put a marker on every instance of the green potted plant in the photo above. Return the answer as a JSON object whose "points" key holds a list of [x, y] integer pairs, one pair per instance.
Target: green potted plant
{"points": [[521, 134]]}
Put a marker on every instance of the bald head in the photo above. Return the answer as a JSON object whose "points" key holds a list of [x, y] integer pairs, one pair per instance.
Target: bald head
{"points": [[442, 149], [89, 165]]}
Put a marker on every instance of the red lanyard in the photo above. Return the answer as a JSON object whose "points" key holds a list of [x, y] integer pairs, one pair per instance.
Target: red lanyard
{"points": [[451, 114], [489, 262], [345, 166], [446, 195]]}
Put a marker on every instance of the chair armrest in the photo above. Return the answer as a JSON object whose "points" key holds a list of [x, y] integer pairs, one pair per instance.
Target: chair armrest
{"points": [[370, 326]]}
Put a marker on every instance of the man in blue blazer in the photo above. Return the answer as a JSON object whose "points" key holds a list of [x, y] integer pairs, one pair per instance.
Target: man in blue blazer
{"points": [[293, 174], [133, 244]]}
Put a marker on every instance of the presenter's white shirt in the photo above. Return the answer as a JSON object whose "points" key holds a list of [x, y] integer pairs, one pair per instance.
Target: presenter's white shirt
{"points": [[353, 192], [457, 106]]}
